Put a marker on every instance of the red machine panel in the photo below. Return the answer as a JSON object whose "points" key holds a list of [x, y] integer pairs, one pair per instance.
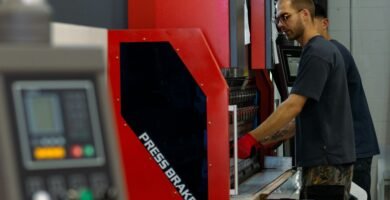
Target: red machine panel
{"points": [[145, 176], [212, 17], [258, 34]]}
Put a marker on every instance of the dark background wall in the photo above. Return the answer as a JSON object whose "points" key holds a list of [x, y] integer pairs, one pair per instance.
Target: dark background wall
{"points": [[110, 14], [323, 3]]}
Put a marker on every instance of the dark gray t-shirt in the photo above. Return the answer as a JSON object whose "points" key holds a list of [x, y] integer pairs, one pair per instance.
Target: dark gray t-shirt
{"points": [[324, 126], [366, 143]]}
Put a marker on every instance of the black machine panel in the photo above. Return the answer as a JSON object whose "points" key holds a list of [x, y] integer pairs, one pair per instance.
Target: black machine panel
{"points": [[159, 97], [289, 58], [61, 148]]}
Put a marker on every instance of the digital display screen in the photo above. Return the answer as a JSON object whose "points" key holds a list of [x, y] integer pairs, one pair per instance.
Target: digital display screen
{"points": [[293, 63], [290, 57], [43, 113]]}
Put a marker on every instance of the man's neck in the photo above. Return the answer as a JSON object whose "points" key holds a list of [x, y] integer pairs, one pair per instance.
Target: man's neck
{"points": [[327, 36], [308, 34]]}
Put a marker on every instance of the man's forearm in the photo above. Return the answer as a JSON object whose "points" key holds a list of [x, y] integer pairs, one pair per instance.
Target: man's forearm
{"points": [[269, 132], [283, 134]]}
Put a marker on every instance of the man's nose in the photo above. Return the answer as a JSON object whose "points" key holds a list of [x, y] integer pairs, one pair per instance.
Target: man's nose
{"points": [[279, 24]]}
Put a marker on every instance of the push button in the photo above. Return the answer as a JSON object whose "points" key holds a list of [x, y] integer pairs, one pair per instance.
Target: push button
{"points": [[47, 153], [76, 151], [41, 195], [89, 150], [86, 194]]}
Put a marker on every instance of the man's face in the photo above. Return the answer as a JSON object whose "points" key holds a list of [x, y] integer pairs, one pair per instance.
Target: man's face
{"points": [[289, 20]]}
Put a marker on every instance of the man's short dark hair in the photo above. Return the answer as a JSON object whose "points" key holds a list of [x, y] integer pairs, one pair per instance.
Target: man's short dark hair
{"points": [[320, 11], [304, 4]]}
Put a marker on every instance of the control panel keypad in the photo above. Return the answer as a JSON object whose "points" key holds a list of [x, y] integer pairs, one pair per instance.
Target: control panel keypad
{"points": [[94, 184], [34, 184]]}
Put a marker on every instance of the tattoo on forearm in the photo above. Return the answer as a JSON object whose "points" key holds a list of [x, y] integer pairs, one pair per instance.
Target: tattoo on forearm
{"points": [[280, 135], [284, 133]]}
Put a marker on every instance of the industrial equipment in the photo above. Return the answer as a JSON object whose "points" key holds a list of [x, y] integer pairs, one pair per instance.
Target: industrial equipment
{"points": [[56, 137], [171, 136], [243, 97], [185, 87], [57, 140]]}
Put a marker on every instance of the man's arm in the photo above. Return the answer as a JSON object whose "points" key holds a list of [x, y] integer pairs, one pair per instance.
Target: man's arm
{"points": [[271, 131], [283, 134]]}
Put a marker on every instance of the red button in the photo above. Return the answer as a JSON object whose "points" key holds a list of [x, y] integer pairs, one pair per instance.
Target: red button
{"points": [[76, 151]]}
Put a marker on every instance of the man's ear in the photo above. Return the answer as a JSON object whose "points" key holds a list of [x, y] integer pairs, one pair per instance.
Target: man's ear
{"points": [[306, 12], [325, 23]]}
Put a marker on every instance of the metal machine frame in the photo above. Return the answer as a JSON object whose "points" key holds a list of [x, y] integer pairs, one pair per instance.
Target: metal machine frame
{"points": [[216, 43], [142, 172]]}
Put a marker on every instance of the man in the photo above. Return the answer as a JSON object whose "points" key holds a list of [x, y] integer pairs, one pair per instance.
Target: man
{"points": [[366, 143], [319, 102]]}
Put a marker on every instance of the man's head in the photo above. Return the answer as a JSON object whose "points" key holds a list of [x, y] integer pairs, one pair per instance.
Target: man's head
{"points": [[321, 20], [293, 17]]}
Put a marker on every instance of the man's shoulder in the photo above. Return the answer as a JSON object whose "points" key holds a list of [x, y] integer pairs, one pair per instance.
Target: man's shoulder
{"points": [[340, 46], [321, 47], [347, 56]]}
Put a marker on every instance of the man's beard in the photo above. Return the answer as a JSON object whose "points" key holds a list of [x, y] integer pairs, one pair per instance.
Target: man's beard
{"points": [[296, 33]]}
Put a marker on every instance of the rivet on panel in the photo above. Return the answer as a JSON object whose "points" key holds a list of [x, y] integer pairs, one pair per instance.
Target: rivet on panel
{"points": [[177, 49], [117, 57], [144, 38]]}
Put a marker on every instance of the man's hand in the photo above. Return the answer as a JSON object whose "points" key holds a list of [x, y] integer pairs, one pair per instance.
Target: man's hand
{"points": [[246, 144]]}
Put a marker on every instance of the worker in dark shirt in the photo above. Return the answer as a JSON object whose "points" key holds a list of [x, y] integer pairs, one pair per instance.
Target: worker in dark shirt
{"points": [[319, 102], [366, 143]]}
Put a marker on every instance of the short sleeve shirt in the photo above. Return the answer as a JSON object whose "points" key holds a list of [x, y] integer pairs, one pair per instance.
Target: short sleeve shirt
{"points": [[366, 143], [324, 127]]}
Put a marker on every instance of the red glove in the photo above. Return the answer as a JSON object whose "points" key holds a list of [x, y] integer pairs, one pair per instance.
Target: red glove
{"points": [[246, 144]]}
